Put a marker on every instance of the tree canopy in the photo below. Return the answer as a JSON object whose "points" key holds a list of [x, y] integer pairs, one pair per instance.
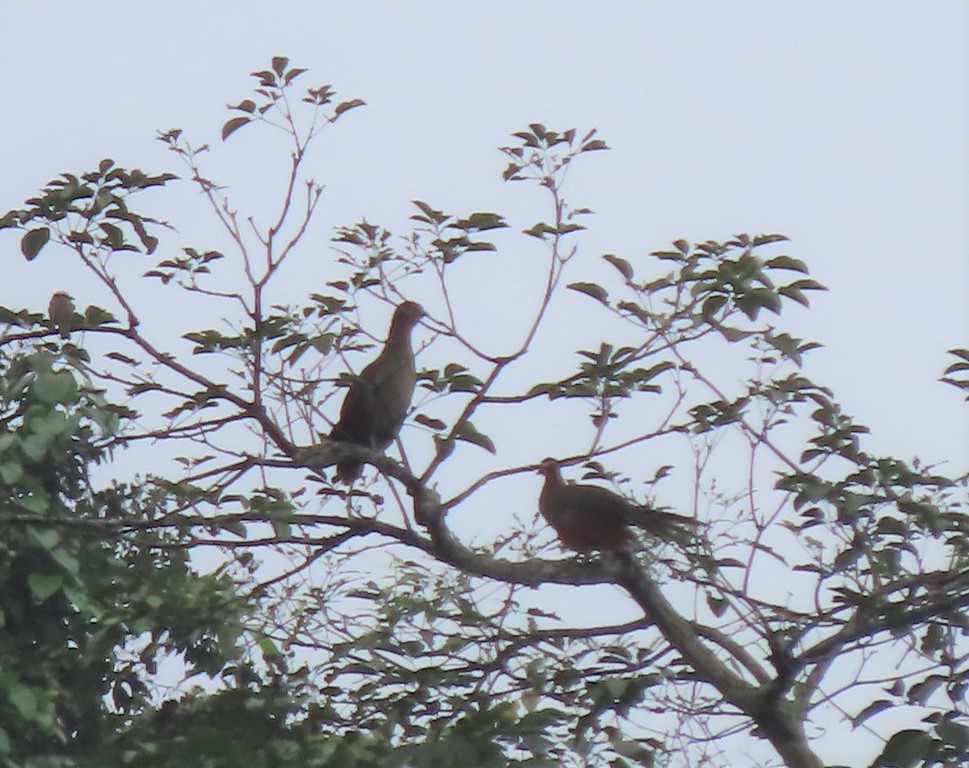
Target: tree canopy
{"points": [[182, 578]]}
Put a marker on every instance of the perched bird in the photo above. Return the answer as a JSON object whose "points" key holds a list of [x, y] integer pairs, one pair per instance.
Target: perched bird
{"points": [[377, 402], [61, 312], [587, 517]]}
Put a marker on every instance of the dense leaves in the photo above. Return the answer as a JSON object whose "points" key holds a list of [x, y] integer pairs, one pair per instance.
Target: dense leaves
{"points": [[88, 613]]}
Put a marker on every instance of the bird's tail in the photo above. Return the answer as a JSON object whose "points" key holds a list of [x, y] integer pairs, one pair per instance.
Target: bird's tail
{"points": [[348, 471], [667, 526]]}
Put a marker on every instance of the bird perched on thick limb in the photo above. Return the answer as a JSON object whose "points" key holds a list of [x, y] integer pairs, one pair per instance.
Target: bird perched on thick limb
{"points": [[379, 397], [587, 517], [61, 312]]}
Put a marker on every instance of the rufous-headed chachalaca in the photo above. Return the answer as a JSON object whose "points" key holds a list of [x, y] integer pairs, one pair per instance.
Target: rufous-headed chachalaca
{"points": [[587, 517], [61, 312], [379, 397]]}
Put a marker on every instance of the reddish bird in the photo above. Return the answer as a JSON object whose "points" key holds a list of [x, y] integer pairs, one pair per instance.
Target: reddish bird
{"points": [[379, 397], [587, 517], [61, 312]]}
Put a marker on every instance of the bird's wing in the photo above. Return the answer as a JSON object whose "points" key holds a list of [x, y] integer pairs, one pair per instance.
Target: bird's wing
{"points": [[607, 505], [599, 502], [391, 378], [357, 414], [586, 518]]}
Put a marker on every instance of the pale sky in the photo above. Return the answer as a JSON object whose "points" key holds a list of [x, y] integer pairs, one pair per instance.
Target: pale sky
{"points": [[842, 125]]}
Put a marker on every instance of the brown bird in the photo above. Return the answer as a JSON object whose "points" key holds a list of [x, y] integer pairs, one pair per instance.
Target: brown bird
{"points": [[377, 402], [587, 517], [61, 312]]}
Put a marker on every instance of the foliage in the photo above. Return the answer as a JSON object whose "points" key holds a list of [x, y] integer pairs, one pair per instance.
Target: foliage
{"points": [[399, 621], [88, 613]]}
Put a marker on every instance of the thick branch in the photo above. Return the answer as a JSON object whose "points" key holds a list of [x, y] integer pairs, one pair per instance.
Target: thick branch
{"points": [[779, 721]]}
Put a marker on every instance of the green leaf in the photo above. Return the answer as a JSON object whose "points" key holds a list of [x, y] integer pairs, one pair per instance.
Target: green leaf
{"points": [[539, 230], [564, 229], [872, 709], [56, 387], [279, 64], [846, 558], [66, 560], [293, 74], [545, 388], [23, 700], [33, 241], [651, 373], [463, 382], [955, 368], [963, 353], [751, 302], [890, 526], [482, 221], [268, 647], [712, 305], [11, 472], [96, 316], [432, 214], [624, 267], [43, 585], [35, 448], [48, 538], [233, 125], [807, 285], [771, 238], [469, 433], [324, 343], [905, 749], [594, 290], [922, 691], [954, 734], [786, 262], [427, 421], [346, 106], [114, 237]]}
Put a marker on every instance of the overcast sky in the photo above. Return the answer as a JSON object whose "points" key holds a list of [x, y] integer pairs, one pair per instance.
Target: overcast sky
{"points": [[842, 125]]}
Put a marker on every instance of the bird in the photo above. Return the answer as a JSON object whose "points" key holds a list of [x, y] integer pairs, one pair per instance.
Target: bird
{"points": [[61, 312], [587, 517], [377, 402]]}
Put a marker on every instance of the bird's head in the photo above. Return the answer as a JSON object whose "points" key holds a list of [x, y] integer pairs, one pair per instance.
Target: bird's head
{"points": [[408, 314], [549, 468]]}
